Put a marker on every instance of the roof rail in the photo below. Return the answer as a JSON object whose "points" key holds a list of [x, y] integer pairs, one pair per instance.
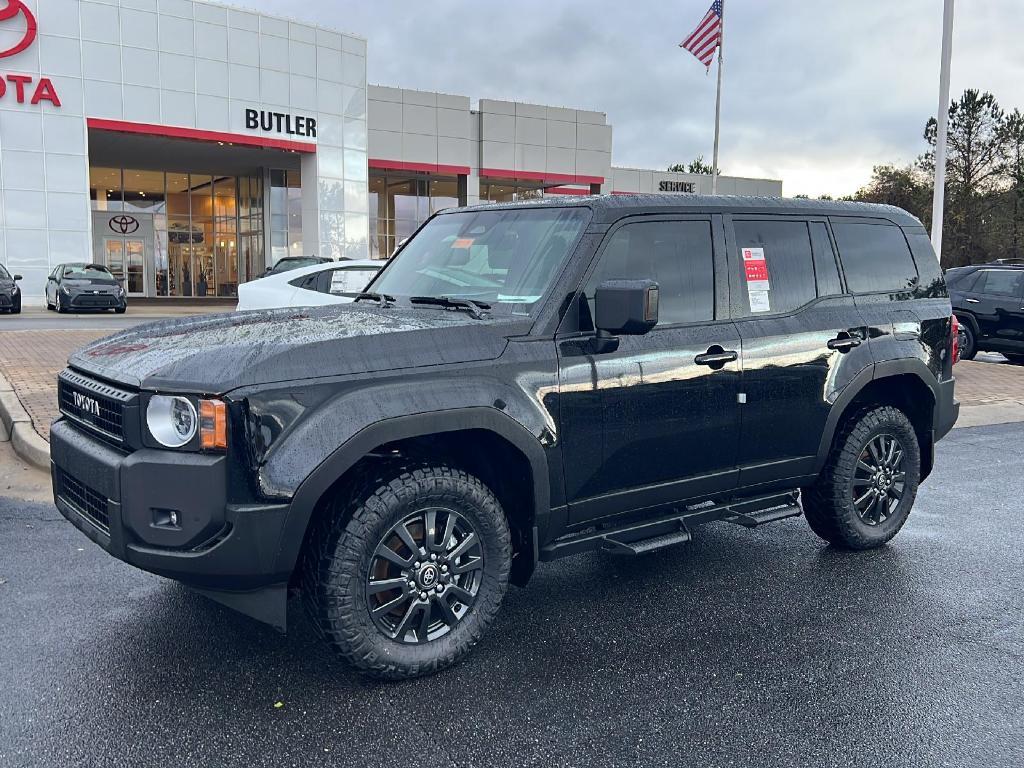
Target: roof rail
{"points": [[1012, 261]]}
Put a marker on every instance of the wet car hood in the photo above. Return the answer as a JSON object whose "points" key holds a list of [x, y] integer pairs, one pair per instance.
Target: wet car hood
{"points": [[213, 354]]}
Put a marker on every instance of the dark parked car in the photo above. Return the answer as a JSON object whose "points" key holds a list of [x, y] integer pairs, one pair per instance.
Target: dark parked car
{"points": [[520, 383], [10, 293], [77, 287], [288, 263], [988, 300]]}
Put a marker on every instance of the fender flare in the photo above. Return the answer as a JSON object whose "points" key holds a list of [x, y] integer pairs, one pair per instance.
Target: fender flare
{"points": [[878, 371], [389, 430]]}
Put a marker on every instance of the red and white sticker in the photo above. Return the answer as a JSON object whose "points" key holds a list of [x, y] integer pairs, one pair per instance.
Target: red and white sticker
{"points": [[756, 269]]}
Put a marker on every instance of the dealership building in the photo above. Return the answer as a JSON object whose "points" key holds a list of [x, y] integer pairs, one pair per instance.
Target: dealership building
{"points": [[189, 145]]}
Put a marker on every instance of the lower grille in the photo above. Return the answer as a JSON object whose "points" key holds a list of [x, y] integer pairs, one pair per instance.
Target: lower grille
{"points": [[90, 504], [94, 301]]}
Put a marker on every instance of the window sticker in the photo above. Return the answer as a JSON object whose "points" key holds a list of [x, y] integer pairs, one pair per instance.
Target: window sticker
{"points": [[759, 301], [463, 242], [755, 268]]}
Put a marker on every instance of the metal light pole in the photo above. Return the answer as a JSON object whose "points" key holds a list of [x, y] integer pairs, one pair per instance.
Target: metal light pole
{"points": [[938, 198], [718, 105]]}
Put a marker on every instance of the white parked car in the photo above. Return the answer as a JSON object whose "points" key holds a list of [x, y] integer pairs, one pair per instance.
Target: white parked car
{"points": [[336, 282]]}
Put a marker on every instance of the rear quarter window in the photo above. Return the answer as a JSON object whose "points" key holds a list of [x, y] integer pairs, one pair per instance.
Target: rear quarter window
{"points": [[875, 257]]}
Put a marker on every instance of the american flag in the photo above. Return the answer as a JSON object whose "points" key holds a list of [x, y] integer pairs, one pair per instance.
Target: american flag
{"points": [[706, 37]]}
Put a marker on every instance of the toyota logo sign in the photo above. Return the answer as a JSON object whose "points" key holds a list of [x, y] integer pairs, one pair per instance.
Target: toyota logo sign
{"points": [[10, 10], [123, 225]]}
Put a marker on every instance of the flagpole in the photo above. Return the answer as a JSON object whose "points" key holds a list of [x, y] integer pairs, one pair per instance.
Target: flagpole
{"points": [[718, 102], [939, 193]]}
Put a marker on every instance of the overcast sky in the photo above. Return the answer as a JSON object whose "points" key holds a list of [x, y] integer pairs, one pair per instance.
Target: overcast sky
{"points": [[815, 92]]}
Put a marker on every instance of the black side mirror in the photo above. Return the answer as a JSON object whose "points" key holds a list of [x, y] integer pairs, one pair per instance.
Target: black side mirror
{"points": [[17, 277], [628, 307]]}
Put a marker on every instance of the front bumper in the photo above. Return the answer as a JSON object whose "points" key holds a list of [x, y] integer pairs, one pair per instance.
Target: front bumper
{"points": [[123, 501], [94, 301]]}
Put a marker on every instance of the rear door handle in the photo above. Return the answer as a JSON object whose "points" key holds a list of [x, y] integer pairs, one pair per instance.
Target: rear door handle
{"points": [[843, 343], [716, 357]]}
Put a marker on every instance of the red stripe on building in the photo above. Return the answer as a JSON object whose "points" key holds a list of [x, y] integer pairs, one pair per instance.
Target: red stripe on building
{"points": [[194, 134], [553, 178], [402, 165]]}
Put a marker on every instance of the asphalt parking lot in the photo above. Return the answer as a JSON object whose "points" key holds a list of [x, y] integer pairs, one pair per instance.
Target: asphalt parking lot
{"points": [[759, 648]]}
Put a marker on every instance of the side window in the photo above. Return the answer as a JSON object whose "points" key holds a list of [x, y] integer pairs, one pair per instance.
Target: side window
{"points": [[350, 280], [999, 282], [678, 255], [825, 269], [786, 247], [875, 257]]}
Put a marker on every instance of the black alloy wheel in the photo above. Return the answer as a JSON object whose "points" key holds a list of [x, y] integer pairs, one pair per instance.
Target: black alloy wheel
{"points": [[407, 567], [424, 575], [867, 487], [879, 479]]}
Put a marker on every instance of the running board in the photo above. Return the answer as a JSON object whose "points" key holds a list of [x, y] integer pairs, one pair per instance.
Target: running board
{"points": [[640, 537]]}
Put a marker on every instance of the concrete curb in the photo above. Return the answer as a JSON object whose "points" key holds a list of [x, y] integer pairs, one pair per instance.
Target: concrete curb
{"points": [[16, 426]]}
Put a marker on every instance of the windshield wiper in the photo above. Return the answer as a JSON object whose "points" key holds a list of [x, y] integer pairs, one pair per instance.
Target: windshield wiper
{"points": [[469, 306], [384, 299]]}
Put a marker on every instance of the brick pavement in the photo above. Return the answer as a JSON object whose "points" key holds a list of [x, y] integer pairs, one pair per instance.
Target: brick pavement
{"points": [[31, 360]]}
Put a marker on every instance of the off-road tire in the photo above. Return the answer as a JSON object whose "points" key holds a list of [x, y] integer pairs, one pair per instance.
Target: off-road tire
{"points": [[338, 556], [968, 341], [829, 503]]}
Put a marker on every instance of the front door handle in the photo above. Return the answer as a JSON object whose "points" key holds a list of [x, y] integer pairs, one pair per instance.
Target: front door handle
{"points": [[843, 343], [716, 357], [973, 301]]}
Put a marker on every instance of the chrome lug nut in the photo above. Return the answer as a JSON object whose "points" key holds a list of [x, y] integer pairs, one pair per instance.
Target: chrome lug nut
{"points": [[433, 556], [423, 595], [444, 569], [439, 588]]}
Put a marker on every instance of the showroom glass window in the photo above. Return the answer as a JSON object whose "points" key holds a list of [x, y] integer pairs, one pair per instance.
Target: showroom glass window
{"points": [[400, 202], [201, 233], [286, 215]]}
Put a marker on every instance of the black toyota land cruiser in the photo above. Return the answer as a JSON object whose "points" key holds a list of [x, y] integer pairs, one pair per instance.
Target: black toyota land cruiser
{"points": [[520, 383]]}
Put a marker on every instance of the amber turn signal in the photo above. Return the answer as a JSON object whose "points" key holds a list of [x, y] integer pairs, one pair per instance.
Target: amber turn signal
{"points": [[213, 424]]}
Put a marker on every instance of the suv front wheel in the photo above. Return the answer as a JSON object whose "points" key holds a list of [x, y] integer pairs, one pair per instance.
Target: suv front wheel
{"points": [[409, 572], [864, 494]]}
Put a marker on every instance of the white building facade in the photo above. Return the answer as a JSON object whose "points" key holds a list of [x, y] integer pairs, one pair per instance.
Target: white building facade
{"points": [[189, 145]]}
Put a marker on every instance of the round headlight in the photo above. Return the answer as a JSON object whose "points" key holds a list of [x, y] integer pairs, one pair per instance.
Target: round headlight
{"points": [[172, 421]]}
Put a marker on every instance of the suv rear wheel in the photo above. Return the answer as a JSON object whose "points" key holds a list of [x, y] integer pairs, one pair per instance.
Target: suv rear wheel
{"points": [[410, 572], [864, 494], [968, 342]]}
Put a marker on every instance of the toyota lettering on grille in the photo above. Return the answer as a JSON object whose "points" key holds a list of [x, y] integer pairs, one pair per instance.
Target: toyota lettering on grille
{"points": [[86, 404]]}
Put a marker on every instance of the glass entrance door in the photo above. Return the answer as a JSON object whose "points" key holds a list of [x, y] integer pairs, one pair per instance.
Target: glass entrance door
{"points": [[126, 260]]}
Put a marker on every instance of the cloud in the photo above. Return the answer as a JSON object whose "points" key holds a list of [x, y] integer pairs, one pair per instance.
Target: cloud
{"points": [[815, 93]]}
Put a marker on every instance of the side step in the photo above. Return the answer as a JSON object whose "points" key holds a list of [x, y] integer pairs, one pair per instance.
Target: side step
{"points": [[640, 537]]}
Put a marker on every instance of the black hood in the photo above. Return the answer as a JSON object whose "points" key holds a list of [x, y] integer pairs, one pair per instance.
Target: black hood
{"points": [[213, 354]]}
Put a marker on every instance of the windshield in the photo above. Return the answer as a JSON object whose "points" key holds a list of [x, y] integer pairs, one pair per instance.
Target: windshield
{"points": [[504, 258], [288, 264], [86, 272]]}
